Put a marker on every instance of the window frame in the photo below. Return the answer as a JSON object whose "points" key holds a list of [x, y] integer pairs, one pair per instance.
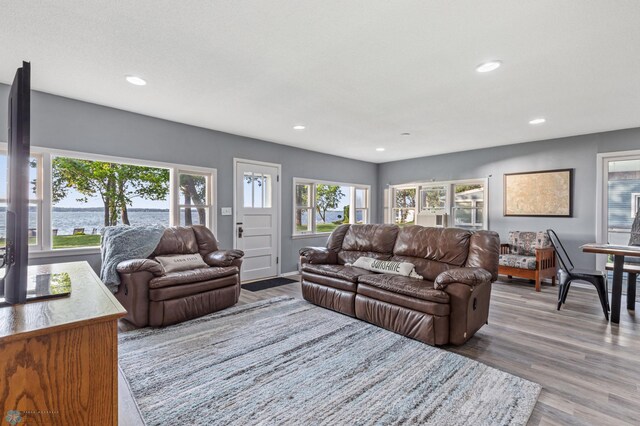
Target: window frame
{"points": [[392, 204], [174, 190], [45, 211], [312, 206], [450, 200], [634, 203], [37, 200]]}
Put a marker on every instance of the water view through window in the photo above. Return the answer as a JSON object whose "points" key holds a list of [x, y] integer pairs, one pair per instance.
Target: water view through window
{"points": [[89, 195]]}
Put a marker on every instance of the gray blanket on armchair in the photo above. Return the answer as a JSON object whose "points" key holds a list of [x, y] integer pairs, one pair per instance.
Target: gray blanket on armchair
{"points": [[120, 243]]}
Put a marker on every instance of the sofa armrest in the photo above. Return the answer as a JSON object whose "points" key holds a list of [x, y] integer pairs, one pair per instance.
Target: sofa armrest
{"points": [[469, 276], [545, 251], [545, 258], [223, 257], [139, 265], [133, 291], [318, 255], [469, 310]]}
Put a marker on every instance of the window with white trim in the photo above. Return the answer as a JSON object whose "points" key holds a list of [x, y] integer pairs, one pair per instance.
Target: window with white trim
{"points": [[319, 207], [460, 204], [404, 205], [35, 199], [194, 207], [74, 195]]}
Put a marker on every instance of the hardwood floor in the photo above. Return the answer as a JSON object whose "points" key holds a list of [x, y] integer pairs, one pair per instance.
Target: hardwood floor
{"points": [[588, 368]]}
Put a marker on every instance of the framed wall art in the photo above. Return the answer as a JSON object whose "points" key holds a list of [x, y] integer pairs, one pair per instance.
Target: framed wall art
{"points": [[547, 193]]}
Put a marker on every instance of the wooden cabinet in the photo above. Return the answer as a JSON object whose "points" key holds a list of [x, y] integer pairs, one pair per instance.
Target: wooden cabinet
{"points": [[59, 357]]}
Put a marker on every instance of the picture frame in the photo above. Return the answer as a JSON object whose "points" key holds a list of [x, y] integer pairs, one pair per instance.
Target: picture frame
{"points": [[543, 193]]}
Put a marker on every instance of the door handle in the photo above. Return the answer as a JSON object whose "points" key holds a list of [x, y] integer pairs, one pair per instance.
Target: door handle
{"points": [[240, 231]]}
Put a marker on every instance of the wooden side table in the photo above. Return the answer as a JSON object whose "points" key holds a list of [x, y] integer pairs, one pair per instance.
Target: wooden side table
{"points": [[59, 357]]}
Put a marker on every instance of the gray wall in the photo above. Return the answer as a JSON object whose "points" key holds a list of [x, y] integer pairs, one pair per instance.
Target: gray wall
{"points": [[79, 126], [578, 152], [68, 124]]}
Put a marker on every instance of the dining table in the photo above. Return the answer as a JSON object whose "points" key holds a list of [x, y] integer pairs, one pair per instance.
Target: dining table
{"points": [[619, 253]]}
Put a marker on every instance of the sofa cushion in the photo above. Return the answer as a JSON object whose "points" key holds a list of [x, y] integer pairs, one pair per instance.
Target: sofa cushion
{"points": [[343, 272], [373, 238], [517, 261], [445, 245], [425, 306], [346, 256], [192, 276], [177, 240], [334, 243], [407, 286], [188, 289], [374, 241], [428, 269], [326, 281], [206, 240], [526, 243], [387, 267], [181, 262]]}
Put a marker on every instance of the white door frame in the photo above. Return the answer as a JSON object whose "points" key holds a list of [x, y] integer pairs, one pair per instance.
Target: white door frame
{"points": [[278, 188], [602, 208]]}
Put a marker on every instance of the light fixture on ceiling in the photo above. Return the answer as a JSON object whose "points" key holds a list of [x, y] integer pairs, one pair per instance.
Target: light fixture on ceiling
{"points": [[135, 80], [379, 149], [488, 66], [405, 134], [299, 127], [539, 120]]}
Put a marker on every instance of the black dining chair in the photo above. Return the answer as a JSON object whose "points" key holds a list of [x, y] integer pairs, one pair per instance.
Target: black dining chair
{"points": [[569, 273]]}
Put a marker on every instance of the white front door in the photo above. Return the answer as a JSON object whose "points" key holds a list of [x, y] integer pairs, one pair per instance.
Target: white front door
{"points": [[256, 218]]}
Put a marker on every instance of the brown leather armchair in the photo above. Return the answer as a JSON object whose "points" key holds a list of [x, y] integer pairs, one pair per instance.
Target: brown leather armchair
{"points": [[155, 298]]}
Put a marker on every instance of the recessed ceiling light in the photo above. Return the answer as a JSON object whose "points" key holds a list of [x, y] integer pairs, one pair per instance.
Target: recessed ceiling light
{"points": [[299, 127], [379, 149], [538, 120], [405, 134], [135, 80], [488, 66]]}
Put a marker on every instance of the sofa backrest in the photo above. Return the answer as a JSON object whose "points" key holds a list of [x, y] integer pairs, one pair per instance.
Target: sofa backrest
{"points": [[525, 243], [431, 250], [177, 240], [206, 240], [484, 252], [354, 241]]}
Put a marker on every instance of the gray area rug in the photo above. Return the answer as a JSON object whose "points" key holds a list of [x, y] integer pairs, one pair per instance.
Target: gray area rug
{"points": [[286, 361]]}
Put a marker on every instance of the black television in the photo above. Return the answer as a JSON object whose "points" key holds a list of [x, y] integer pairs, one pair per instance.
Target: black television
{"points": [[17, 220], [17, 286]]}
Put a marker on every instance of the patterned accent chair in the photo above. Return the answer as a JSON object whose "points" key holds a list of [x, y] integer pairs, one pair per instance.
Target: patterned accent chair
{"points": [[528, 255]]}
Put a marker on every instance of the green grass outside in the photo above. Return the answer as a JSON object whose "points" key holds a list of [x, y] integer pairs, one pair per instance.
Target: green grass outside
{"points": [[320, 227], [68, 241]]}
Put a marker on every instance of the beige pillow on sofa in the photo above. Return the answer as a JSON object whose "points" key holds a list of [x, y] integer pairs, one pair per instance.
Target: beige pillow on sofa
{"points": [[387, 267], [181, 262]]}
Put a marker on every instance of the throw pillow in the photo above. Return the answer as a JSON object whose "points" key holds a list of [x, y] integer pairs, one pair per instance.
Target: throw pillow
{"points": [[181, 262], [387, 267]]}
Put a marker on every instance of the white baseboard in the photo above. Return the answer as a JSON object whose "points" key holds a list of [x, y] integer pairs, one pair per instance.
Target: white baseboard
{"points": [[288, 274]]}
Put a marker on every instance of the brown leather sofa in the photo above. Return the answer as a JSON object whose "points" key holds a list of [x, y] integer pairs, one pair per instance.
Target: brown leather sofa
{"points": [[448, 306], [153, 297]]}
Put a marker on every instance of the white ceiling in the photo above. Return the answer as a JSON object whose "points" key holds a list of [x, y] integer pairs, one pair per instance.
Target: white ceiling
{"points": [[356, 73]]}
